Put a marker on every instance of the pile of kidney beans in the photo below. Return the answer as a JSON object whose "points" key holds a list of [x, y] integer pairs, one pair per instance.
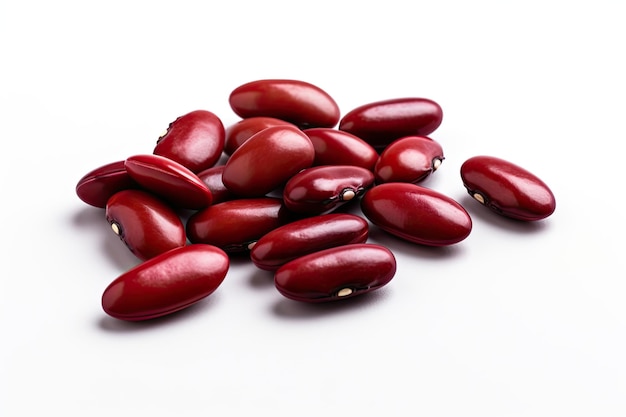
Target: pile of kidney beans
{"points": [[286, 171]]}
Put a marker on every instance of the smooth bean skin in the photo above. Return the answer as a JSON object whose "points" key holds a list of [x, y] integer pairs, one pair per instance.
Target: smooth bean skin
{"points": [[145, 223], [409, 159], [194, 140], [381, 122], [166, 283], [212, 177], [169, 180], [319, 190], [236, 224], [267, 160], [336, 147], [507, 189], [416, 214], [306, 236], [97, 186], [336, 273], [238, 133], [298, 102]]}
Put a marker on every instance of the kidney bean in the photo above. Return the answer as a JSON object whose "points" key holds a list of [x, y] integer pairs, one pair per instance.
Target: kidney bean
{"points": [[336, 273], [170, 180], [307, 235], [409, 159], [336, 147], [194, 140], [169, 282], [97, 186], [380, 123], [267, 160], [236, 225], [507, 189], [212, 177], [238, 133], [416, 214], [146, 224], [301, 103], [321, 189]]}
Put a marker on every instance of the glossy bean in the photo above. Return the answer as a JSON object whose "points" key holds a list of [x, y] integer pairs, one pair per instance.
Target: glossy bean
{"points": [[212, 177], [166, 283], [306, 236], [409, 159], [146, 224], [319, 190], [507, 189], [336, 147], [238, 133], [97, 186], [301, 103], [416, 214], [267, 160], [170, 180], [236, 225], [194, 140], [380, 123], [336, 273]]}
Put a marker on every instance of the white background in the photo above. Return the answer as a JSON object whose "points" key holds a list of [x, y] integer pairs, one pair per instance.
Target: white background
{"points": [[517, 320]]}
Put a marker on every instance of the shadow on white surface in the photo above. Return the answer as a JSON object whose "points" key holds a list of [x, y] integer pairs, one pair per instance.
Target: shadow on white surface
{"points": [[286, 308], [113, 325]]}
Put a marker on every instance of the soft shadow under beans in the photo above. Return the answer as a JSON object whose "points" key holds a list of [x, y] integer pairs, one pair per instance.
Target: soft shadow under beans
{"points": [[262, 279], [400, 246], [286, 308], [113, 325], [484, 214]]}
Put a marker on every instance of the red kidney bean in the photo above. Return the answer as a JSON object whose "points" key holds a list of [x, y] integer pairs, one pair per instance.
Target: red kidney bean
{"points": [[409, 159], [166, 283], [170, 180], [335, 147], [238, 133], [194, 140], [507, 189], [298, 102], [336, 273], [321, 189], [97, 186], [380, 123], [212, 177], [416, 214], [146, 224], [305, 236], [267, 160], [236, 225]]}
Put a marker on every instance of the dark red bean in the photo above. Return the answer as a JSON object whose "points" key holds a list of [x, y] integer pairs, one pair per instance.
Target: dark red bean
{"points": [[507, 189], [166, 283], [308, 235], [267, 160], [236, 224], [301, 103], [335, 147], [380, 123], [212, 177], [322, 189], [416, 214], [146, 224], [194, 140], [170, 180], [336, 273], [238, 133], [409, 159], [97, 186]]}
